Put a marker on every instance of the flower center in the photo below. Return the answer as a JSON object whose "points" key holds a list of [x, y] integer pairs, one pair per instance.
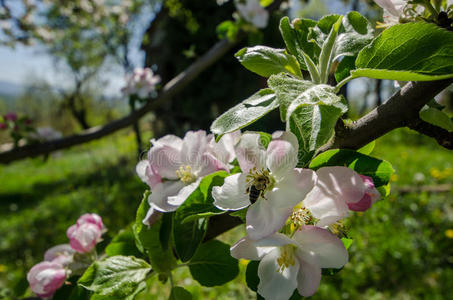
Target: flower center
{"points": [[286, 258], [301, 216], [338, 229], [185, 174], [258, 182]]}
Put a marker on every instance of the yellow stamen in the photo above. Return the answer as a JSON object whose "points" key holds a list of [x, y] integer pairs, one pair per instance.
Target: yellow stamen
{"points": [[286, 258], [185, 174]]}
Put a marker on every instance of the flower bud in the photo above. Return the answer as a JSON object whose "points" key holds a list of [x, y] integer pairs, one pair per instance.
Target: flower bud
{"points": [[371, 195], [86, 233], [3, 126], [45, 278], [10, 117]]}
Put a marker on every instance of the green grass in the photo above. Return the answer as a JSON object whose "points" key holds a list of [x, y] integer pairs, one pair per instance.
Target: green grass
{"points": [[401, 248]]}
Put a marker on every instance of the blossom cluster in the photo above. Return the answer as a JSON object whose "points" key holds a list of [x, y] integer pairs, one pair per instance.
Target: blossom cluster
{"points": [[142, 82], [293, 214], [253, 12], [59, 261]]}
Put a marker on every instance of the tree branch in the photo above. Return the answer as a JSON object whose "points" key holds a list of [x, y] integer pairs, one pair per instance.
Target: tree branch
{"points": [[400, 110], [170, 89]]}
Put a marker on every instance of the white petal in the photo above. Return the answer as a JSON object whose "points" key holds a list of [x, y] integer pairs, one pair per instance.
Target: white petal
{"points": [[275, 284], [250, 152], [209, 164], [282, 153], [264, 219], [184, 193], [255, 249], [140, 169], [232, 194], [166, 160], [161, 192], [193, 147], [309, 275], [328, 248], [168, 140], [293, 188], [151, 216]]}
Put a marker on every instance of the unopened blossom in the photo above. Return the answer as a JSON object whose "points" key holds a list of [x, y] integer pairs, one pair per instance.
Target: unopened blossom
{"points": [[10, 117], [3, 126], [62, 254], [269, 183], [45, 278], [86, 233], [175, 167], [142, 83], [253, 12], [289, 263], [338, 190]]}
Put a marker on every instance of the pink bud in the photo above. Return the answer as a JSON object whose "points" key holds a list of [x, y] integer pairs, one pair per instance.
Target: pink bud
{"points": [[91, 218], [62, 254], [3, 126], [45, 278], [371, 195], [11, 117], [83, 238]]}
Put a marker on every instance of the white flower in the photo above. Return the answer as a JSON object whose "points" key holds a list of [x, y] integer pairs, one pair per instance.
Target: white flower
{"points": [[338, 190], [253, 12], [269, 183], [142, 83], [290, 263], [175, 167]]}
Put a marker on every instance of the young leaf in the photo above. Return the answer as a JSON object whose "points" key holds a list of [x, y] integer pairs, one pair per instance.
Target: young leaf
{"points": [[436, 117], [179, 293], [328, 51], [189, 233], [295, 36], [123, 244], [411, 51], [245, 113], [148, 240], [379, 170], [213, 265], [117, 276], [141, 287], [266, 61]]}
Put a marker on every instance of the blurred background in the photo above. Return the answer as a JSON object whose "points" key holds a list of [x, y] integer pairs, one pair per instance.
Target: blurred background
{"points": [[63, 65]]}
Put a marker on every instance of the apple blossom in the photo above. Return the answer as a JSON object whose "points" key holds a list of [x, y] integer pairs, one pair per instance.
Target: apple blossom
{"points": [[10, 117], [289, 263], [86, 233], [338, 190], [45, 278], [253, 12], [174, 168], [3, 126], [270, 183], [142, 83], [62, 254]]}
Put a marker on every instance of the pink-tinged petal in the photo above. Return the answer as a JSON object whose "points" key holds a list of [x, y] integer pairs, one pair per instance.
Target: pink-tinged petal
{"points": [[160, 193], [255, 249], [362, 205], [224, 149], [151, 217], [370, 189], [193, 147], [61, 254], [210, 164], [165, 160], [309, 275], [328, 248], [250, 152], [335, 187], [92, 219], [264, 219], [282, 153], [293, 188], [394, 7], [45, 278], [85, 237], [183, 193], [168, 140], [232, 194], [140, 169], [276, 284]]}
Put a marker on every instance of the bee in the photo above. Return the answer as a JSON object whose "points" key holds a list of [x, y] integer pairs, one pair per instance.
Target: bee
{"points": [[258, 186]]}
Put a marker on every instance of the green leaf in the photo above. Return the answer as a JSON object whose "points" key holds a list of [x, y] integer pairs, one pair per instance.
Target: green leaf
{"points": [[117, 276], [328, 51], [179, 293], [368, 148], [245, 113], [227, 29], [213, 265], [148, 240], [436, 117], [141, 287], [123, 244], [379, 170], [188, 233], [266, 61], [347, 242], [411, 51], [266, 3], [295, 36], [251, 275]]}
